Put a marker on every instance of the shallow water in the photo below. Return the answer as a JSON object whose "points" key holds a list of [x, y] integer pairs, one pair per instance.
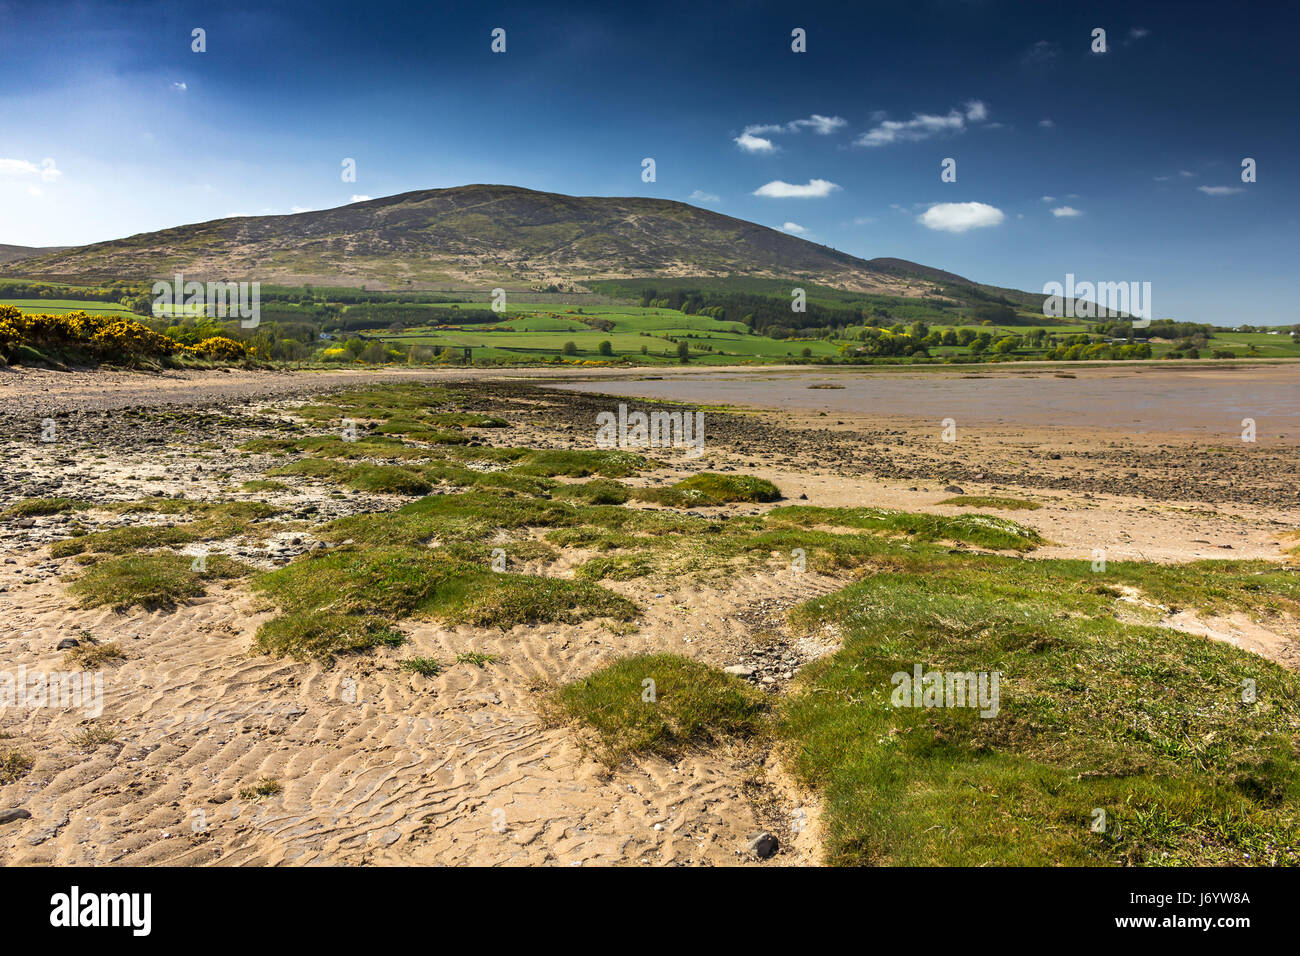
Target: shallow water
{"points": [[1201, 402]]}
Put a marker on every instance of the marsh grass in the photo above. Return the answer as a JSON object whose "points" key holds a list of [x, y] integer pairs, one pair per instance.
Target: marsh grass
{"points": [[693, 705]]}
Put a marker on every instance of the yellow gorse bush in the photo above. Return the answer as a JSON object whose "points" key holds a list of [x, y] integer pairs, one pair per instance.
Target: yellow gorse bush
{"points": [[103, 337]]}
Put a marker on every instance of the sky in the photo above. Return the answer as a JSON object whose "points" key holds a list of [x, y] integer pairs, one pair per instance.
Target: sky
{"points": [[1115, 166]]}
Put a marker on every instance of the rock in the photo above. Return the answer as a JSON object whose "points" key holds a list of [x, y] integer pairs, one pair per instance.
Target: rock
{"points": [[763, 845], [953, 490], [68, 643], [17, 813], [740, 670]]}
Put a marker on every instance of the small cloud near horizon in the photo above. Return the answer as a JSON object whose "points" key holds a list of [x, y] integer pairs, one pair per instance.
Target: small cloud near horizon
{"points": [[958, 217], [814, 189], [1219, 190], [1066, 212], [700, 196]]}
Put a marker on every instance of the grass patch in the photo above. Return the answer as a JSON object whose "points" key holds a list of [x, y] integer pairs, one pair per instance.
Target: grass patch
{"points": [[693, 705], [321, 635], [990, 501], [707, 489], [150, 580], [475, 658], [92, 655], [212, 522], [266, 787], [262, 484], [1144, 723], [424, 666], [39, 507], [13, 764], [340, 601]]}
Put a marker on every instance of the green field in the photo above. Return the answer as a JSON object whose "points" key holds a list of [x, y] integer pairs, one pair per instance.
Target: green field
{"points": [[719, 322]]}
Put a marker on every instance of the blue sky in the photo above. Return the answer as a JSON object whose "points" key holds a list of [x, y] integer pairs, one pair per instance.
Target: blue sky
{"points": [[1115, 166]]}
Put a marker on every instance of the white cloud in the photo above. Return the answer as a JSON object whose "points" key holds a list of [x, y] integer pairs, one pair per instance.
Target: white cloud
{"points": [[1066, 212], [360, 198], [793, 227], [815, 189], [754, 139], [700, 196], [754, 144], [35, 191], [1046, 123], [1137, 33], [297, 209], [960, 216], [864, 220], [923, 126], [48, 171], [1219, 190], [180, 87]]}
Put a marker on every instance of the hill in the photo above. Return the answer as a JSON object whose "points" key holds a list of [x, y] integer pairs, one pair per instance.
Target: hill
{"points": [[469, 236]]}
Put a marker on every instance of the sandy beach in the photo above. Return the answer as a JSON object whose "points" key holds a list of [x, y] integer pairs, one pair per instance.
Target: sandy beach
{"points": [[379, 765]]}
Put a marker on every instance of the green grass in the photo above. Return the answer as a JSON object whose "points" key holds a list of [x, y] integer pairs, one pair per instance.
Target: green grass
{"points": [[210, 522], [424, 666], [1144, 723], [338, 601], [708, 488], [38, 507], [475, 658], [692, 705], [150, 580], [990, 501], [324, 635]]}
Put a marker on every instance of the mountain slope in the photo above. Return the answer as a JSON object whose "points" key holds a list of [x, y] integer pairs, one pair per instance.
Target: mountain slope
{"points": [[16, 253], [469, 236]]}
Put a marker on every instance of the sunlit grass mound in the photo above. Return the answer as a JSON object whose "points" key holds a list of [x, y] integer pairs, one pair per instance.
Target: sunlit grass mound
{"points": [[161, 580], [707, 489], [660, 704], [1190, 748]]}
